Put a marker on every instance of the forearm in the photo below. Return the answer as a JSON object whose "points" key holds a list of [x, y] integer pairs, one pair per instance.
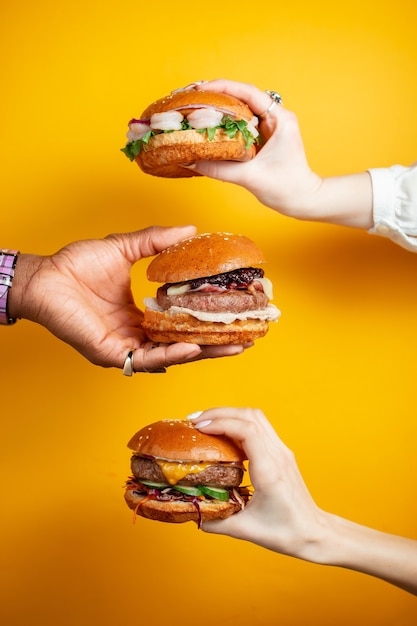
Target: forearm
{"points": [[352, 546], [343, 200]]}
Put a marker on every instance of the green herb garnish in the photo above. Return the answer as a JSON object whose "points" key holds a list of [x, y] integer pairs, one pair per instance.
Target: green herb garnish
{"points": [[228, 124]]}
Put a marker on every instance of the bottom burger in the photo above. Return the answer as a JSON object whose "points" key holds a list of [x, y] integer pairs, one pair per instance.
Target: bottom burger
{"points": [[180, 474]]}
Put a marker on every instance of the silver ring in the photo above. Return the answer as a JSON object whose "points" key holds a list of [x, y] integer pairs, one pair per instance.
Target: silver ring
{"points": [[276, 99], [128, 364]]}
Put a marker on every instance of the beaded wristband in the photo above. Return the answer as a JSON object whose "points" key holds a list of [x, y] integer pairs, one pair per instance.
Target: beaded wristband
{"points": [[7, 264]]}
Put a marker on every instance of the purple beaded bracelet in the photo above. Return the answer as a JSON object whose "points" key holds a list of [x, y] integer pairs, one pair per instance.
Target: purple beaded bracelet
{"points": [[7, 264]]}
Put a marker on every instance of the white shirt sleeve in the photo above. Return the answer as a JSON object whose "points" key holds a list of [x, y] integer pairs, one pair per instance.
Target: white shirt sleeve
{"points": [[395, 204]]}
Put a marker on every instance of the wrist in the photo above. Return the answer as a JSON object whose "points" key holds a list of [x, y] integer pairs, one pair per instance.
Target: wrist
{"points": [[19, 301], [8, 259]]}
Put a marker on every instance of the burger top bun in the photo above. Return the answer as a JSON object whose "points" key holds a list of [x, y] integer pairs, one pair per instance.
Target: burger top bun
{"points": [[204, 255], [178, 440], [181, 99]]}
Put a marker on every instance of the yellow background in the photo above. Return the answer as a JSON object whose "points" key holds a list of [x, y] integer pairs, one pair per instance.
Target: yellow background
{"points": [[336, 375]]}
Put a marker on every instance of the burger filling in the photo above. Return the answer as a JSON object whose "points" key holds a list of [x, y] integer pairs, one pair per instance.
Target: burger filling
{"points": [[153, 480], [161, 471], [237, 295], [234, 292], [201, 118]]}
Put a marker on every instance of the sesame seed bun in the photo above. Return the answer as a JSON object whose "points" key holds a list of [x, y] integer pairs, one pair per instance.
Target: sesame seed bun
{"points": [[184, 98], [204, 255], [178, 440]]}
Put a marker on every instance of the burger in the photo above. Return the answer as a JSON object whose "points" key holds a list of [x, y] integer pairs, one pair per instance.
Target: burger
{"points": [[189, 126], [212, 292], [180, 474]]}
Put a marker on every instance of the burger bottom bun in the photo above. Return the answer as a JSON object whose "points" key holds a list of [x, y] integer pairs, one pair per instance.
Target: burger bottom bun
{"points": [[164, 154], [178, 512], [166, 328]]}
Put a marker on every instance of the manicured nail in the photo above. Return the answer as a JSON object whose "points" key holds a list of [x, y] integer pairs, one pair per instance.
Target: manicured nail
{"points": [[194, 416], [202, 424]]}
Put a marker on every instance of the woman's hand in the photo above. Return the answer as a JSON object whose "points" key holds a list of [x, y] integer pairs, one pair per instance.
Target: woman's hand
{"points": [[82, 294], [282, 516], [280, 177]]}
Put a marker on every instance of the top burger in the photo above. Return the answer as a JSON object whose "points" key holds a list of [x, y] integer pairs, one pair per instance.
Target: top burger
{"points": [[189, 126]]}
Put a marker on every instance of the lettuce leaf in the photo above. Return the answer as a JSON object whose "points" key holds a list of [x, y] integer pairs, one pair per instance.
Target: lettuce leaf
{"points": [[228, 124]]}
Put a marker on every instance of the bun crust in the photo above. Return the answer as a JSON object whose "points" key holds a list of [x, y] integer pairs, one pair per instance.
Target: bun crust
{"points": [[182, 100], [204, 255], [178, 440], [166, 328], [179, 512], [164, 154]]}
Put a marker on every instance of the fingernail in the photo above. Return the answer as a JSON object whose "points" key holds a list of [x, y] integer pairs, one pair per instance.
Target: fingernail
{"points": [[202, 424], [194, 416], [193, 353], [192, 166]]}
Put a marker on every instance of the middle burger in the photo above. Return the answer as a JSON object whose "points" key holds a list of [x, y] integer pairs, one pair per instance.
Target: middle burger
{"points": [[213, 292]]}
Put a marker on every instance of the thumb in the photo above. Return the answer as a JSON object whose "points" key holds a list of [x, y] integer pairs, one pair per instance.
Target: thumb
{"points": [[221, 527], [150, 241], [227, 171]]}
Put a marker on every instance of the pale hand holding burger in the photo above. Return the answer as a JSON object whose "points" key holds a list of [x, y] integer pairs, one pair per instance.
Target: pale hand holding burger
{"points": [[282, 516], [213, 292], [188, 126]]}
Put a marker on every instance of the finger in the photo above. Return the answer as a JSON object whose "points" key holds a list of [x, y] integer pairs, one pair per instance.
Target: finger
{"points": [[227, 526], [153, 356], [256, 99], [214, 352], [156, 356], [151, 240], [227, 171], [262, 446]]}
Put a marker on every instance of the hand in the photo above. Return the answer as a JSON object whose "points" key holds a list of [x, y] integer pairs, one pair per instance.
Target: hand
{"points": [[82, 294], [279, 175], [282, 516]]}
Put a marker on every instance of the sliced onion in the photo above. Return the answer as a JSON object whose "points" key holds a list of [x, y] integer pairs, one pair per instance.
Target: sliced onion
{"points": [[197, 506], [135, 121], [267, 287], [178, 288]]}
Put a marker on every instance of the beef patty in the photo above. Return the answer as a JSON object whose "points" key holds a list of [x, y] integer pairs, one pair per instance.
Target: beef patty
{"points": [[224, 301], [221, 475]]}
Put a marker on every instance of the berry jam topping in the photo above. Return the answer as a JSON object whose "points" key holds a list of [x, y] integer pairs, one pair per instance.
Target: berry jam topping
{"points": [[236, 279]]}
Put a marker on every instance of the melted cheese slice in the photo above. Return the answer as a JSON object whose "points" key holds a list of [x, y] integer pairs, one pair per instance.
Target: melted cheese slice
{"points": [[174, 472]]}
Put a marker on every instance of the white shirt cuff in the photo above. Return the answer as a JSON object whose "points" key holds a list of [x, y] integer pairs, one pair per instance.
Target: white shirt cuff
{"points": [[395, 204]]}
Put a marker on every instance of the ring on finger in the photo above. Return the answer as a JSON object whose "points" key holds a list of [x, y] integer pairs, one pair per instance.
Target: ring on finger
{"points": [[128, 369], [276, 98]]}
